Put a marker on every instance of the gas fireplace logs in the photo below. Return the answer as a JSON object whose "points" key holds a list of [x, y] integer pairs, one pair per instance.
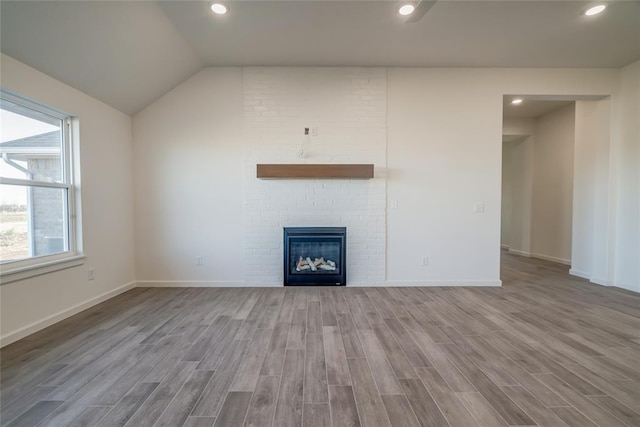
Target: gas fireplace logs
{"points": [[315, 265]]}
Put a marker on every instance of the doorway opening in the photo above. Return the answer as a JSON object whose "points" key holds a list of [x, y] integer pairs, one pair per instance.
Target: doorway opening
{"points": [[549, 154]]}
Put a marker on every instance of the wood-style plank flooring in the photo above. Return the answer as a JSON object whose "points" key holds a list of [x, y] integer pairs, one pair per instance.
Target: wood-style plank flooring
{"points": [[545, 349]]}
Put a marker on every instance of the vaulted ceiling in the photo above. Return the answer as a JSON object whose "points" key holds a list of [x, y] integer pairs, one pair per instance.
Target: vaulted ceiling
{"points": [[128, 53]]}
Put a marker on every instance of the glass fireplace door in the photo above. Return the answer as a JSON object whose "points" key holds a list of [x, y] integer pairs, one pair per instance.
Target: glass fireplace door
{"points": [[315, 256]]}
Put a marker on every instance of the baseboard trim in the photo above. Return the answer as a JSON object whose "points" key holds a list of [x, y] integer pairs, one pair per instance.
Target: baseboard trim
{"points": [[540, 256], [503, 246], [435, 283], [552, 259], [594, 280], [521, 253], [601, 282], [579, 273], [243, 284], [205, 284], [61, 315]]}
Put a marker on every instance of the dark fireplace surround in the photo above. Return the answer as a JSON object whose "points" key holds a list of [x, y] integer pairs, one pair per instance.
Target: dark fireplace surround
{"points": [[315, 256]]}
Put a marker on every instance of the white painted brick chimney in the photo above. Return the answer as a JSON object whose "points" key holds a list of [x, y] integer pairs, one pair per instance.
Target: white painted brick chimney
{"points": [[348, 108]]}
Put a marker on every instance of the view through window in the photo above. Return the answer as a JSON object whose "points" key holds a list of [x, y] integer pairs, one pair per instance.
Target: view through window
{"points": [[35, 181]]}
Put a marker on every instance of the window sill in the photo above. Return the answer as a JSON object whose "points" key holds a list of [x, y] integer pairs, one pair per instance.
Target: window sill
{"points": [[20, 273]]}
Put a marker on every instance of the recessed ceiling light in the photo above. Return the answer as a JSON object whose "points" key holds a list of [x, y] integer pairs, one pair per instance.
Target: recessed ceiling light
{"points": [[595, 10], [516, 101], [406, 9], [219, 8]]}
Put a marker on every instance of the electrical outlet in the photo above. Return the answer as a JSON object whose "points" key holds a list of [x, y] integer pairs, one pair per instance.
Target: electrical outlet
{"points": [[314, 131], [393, 204], [478, 207], [91, 274], [425, 260], [306, 131], [198, 260]]}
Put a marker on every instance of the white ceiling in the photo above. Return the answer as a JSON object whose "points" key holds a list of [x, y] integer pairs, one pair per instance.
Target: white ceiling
{"points": [[452, 33], [531, 109], [126, 54], [129, 53]]}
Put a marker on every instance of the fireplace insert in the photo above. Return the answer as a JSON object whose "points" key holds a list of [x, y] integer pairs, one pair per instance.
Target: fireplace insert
{"points": [[315, 256]]}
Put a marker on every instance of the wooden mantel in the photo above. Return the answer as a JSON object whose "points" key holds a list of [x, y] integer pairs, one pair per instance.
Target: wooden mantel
{"points": [[322, 171]]}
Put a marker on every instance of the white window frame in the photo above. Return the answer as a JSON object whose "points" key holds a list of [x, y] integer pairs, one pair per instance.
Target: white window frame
{"points": [[11, 271]]}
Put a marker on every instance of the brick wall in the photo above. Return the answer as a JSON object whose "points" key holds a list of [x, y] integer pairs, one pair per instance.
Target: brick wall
{"points": [[47, 207], [348, 107]]}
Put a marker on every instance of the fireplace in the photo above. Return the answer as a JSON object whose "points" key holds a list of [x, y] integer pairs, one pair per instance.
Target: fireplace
{"points": [[315, 256]]}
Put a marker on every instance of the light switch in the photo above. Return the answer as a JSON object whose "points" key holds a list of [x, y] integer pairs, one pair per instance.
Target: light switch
{"points": [[478, 207]]}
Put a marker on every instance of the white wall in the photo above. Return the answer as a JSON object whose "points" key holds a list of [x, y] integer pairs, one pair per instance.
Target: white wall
{"points": [[518, 172], [627, 176], [507, 203], [517, 184], [606, 234], [188, 181], [606, 195], [107, 210], [552, 195], [443, 155], [445, 144], [537, 185], [592, 197], [518, 126], [197, 185]]}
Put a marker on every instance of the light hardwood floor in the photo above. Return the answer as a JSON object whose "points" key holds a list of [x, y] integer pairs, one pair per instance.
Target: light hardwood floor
{"points": [[545, 349]]}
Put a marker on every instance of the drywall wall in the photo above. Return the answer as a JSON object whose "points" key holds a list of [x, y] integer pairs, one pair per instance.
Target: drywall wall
{"points": [[505, 212], [552, 194], [206, 170], [606, 226], [107, 210], [518, 126], [605, 235], [627, 174], [592, 223], [444, 149], [517, 173], [537, 185], [517, 182], [443, 160], [189, 155]]}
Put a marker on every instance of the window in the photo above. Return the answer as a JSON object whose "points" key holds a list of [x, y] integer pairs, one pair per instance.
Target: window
{"points": [[37, 199]]}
